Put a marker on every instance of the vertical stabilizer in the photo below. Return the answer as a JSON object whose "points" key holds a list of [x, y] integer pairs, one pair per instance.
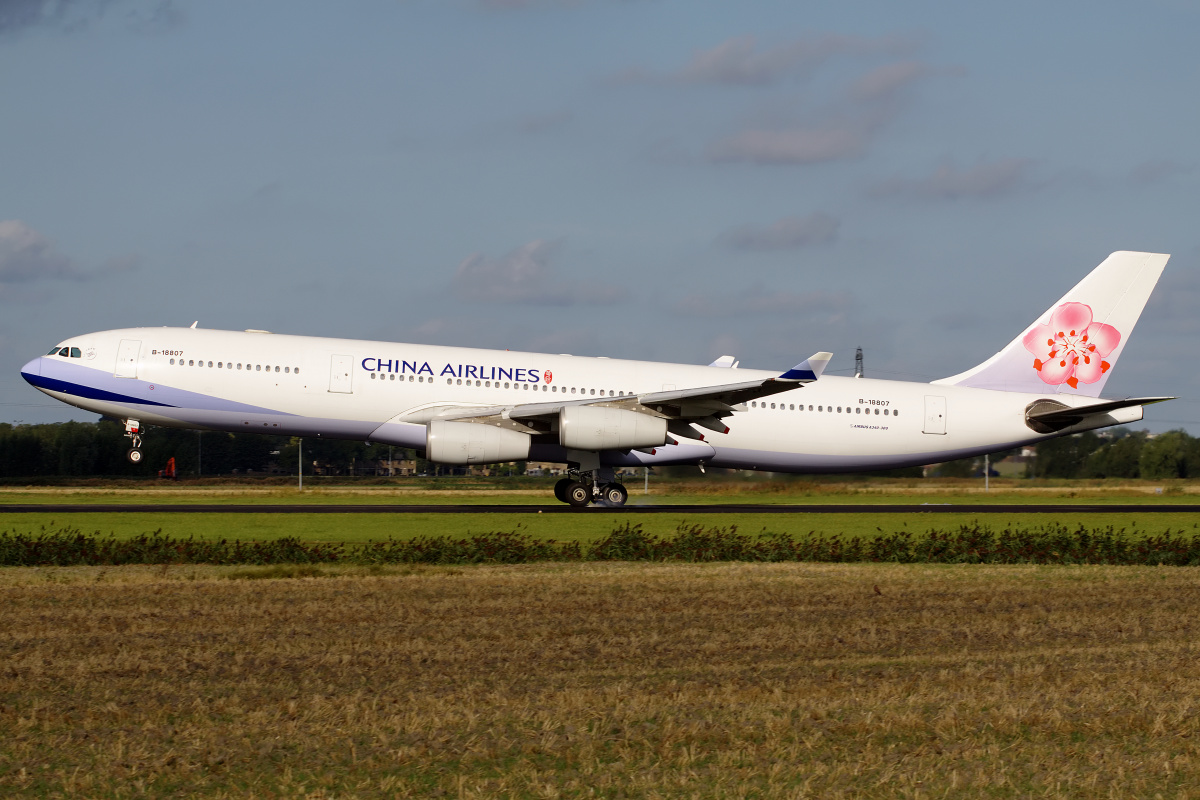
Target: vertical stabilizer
{"points": [[1073, 346]]}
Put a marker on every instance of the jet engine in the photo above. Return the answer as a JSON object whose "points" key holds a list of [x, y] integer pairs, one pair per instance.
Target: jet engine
{"points": [[473, 443], [599, 428]]}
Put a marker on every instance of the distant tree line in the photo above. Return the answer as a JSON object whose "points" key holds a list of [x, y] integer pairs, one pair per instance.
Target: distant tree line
{"points": [[1121, 454], [99, 448]]}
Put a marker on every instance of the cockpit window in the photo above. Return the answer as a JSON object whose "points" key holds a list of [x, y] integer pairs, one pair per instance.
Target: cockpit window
{"points": [[76, 352], [53, 352]]}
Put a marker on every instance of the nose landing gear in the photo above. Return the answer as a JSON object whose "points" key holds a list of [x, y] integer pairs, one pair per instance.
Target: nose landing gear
{"points": [[133, 430]]}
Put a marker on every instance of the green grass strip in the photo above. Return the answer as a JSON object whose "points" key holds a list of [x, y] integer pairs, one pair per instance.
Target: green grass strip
{"points": [[1051, 543]]}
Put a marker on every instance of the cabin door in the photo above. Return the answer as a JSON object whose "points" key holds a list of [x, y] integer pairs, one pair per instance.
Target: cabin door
{"points": [[127, 358], [341, 374], [935, 414]]}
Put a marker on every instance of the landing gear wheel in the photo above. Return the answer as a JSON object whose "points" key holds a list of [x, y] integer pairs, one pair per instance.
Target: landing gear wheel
{"points": [[615, 494], [560, 489], [135, 456], [577, 494]]}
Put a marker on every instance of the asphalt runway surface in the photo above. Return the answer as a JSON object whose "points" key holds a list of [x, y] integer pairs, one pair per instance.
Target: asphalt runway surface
{"points": [[918, 508]]}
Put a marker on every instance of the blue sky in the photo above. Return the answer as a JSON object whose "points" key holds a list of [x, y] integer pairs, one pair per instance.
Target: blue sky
{"points": [[634, 178]]}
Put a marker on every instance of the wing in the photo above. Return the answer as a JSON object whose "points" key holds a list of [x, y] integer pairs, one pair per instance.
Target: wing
{"points": [[705, 406]]}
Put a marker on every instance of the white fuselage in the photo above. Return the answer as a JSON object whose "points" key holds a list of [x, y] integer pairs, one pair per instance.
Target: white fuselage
{"points": [[339, 388]]}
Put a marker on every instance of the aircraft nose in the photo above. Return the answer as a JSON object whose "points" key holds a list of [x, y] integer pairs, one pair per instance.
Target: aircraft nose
{"points": [[32, 370]]}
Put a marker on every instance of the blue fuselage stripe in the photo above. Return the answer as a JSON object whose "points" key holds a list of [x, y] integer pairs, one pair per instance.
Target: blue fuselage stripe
{"points": [[87, 392]]}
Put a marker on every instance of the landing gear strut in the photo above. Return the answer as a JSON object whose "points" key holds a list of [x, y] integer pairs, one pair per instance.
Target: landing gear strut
{"points": [[133, 430], [582, 487]]}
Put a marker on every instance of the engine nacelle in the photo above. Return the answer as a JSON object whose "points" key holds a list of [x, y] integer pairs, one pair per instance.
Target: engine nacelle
{"points": [[599, 428], [473, 443]]}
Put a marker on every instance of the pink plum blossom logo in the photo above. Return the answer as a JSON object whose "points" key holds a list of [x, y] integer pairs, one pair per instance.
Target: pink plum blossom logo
{"points": [[1071, 348]]}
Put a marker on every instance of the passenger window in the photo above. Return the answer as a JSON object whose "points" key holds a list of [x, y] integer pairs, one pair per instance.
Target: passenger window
{"points": [[258, 367], [839, 409], [506, 384], [593, 390], [791, 407], [239, 365], [820, 408], [772, 405], [276, 369], [286, 370], [172, 361], [410, 378], [296, 371], [372, 376], [393, 376], [487, 384], [210, 363], [877, 412], [572, 390], [885, 412], [460, 383], [858, 411], [191, 363], [895, 413], [810, 408]]}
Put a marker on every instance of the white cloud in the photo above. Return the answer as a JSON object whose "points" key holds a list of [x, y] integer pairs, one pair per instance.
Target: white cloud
{"points": [[948, 182], [757, 301], [792, 146], [27, 256], [787, 233], [883, 82], [140, 16], [1158, 170], [526, 276], [740, 61]]}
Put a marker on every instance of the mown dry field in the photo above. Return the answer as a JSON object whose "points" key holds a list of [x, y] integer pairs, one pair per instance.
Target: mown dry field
{"points": [[613, 680]]}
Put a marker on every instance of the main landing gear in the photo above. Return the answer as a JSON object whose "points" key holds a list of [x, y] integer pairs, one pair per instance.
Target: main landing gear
{"points": [[133, 430], [582, 488]]}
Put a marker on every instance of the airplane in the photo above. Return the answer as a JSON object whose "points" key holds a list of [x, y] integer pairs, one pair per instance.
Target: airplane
{"points": [[466, 406]]}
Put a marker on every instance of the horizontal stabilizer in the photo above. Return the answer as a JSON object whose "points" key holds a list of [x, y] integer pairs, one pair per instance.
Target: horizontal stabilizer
{"points": [[1049, 416]]}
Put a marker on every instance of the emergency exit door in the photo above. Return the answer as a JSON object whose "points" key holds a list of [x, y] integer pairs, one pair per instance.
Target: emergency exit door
{"points": [[127, 358], [341, 374], [935, 414]]}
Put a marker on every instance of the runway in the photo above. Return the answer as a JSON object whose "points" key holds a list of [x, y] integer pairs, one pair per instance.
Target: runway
{"points": [[917, 508]]}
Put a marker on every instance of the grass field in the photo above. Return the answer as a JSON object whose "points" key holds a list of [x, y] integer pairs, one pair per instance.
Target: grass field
{"points": [[584, 527], [589, 525], [662, 492], [601, 680]]}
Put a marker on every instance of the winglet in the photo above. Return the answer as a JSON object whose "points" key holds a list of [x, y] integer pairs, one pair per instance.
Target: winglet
{"points": [[807, 370]]}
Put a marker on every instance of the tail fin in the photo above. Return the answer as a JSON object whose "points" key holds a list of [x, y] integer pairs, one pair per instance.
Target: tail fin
{"points": [[1073, 346]]}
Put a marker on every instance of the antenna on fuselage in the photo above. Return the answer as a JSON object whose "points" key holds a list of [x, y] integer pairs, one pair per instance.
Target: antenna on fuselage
{"points": [[194, 324], [858, 368]]}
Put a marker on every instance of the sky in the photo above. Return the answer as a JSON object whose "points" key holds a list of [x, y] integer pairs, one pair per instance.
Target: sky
{"points": [[669, 180]]}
